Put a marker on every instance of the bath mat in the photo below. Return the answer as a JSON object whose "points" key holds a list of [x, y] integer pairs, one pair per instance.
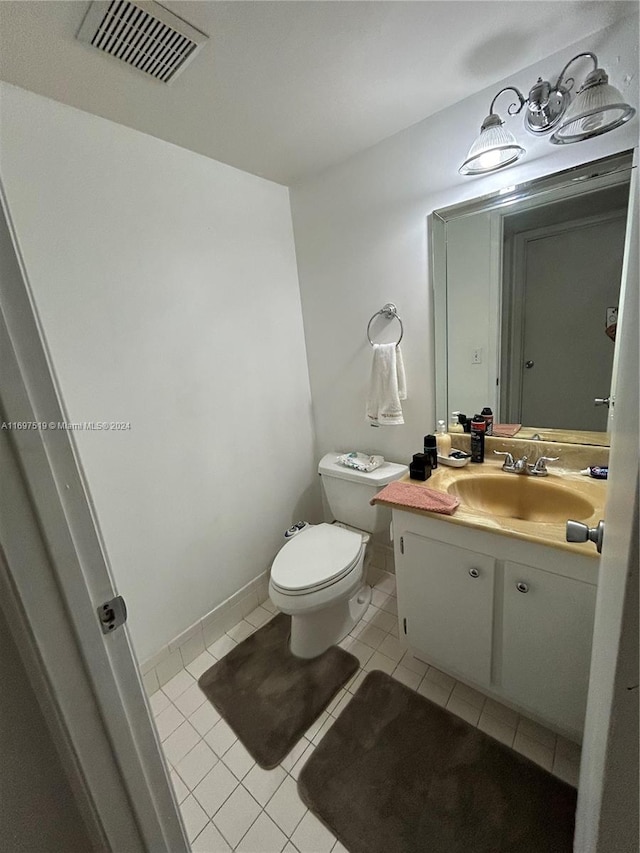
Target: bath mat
{"points": [[268, 696], [398, 774]]}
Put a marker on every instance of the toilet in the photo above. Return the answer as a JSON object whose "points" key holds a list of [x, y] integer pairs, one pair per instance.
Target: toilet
{"points": [[318, 575]]}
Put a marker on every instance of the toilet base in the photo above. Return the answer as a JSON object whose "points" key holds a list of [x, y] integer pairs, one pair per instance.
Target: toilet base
{"points": [[313, 633]]}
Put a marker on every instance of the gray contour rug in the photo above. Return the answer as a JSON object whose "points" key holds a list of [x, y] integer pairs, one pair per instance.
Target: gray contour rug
{"points": [[268, 696], [398, 774]]}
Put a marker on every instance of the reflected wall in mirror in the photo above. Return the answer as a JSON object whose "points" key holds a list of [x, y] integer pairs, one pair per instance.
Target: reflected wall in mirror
{"points": [[526, 289]]}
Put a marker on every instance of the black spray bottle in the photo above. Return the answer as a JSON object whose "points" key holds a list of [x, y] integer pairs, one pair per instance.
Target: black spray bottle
{"points": [[478, 429], [431, 450]]}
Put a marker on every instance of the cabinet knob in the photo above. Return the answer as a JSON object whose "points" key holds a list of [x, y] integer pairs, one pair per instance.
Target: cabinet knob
{"points": [[522, 587], [474, 573]]}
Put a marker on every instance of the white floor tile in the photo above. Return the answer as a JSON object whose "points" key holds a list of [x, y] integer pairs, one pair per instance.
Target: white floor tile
{"points": [[316, 725], [441, 678], [190, 700], [380, 661], [342, 704], [290, 848], [168, 721], [238, 760], [285, 806], [241, 631], [168, 667], [378, 598], [258, 617], [221, 646], [180, 742], [391, 605], [370, 635], [201, 664], [386, 584], [262, 784], [356, 681], [534, 750], [263, 837], [196, 764], [498, 729], [434, 692], [158, 701], [205, 718], [409, 661], [534, 731], [269, 605], [306, 755], [324, 728], [469, 713], [406, 676], [178, 684], [392, 648], [501, 712], [336, 699], [469, 695], [289, 760], [215, 788], [221, 738], [180, 789], [311, 836], [150, 682], [236, 815], [385, 621], [210, 841], [193, 816], [339, 848], [355, 647]]}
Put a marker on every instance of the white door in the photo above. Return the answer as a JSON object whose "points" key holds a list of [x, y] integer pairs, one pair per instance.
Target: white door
{"points": [[445, 594], [54, 577], [607, 813]]}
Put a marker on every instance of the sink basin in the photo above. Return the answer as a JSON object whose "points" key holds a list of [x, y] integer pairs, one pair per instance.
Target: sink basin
{"points": [[521, 497]]}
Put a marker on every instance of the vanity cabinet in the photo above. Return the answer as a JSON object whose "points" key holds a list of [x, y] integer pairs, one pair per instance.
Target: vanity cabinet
{"points": [[547, 628], [446, 602], [511, 617]]}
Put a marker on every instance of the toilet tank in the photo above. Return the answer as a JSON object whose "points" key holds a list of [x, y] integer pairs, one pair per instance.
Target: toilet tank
{"points": [[348, 493]]}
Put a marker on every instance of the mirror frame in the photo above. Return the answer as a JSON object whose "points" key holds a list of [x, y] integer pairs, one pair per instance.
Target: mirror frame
{"points": [[601, 173]]}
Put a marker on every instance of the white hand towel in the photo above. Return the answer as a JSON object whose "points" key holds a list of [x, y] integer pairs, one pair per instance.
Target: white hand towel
{"points": [[387, 386]]}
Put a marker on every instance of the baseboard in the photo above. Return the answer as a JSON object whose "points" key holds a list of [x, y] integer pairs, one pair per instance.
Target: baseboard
{"points": [[186, 647]]}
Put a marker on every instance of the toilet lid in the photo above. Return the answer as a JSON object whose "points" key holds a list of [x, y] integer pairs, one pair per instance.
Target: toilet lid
{"points": [[315, 557]]}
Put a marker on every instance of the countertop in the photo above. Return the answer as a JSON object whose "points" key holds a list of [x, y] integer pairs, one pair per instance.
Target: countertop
{"points": [[542, 532]]}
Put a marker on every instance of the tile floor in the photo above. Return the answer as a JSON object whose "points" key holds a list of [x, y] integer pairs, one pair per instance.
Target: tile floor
{"points": [[229, 803]]}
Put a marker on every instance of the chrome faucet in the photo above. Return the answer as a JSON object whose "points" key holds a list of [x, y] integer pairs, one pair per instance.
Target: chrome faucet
{"points": [[520, 466]]}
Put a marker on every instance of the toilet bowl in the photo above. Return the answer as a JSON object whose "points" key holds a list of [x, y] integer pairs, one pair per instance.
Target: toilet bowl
{"points": [[318, 576], [318, 579]]}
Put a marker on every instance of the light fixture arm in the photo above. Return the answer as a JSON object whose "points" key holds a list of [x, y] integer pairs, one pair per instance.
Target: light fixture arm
{"points": [[513, 109], [567, 84]]}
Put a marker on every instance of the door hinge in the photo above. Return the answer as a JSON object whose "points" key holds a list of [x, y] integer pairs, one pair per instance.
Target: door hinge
{"points": [[112, 614], [404, 625], [402, 544]]}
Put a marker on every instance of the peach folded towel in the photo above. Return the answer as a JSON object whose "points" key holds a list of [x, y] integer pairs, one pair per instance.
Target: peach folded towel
{"points": [[505, 430], [418, 497]]}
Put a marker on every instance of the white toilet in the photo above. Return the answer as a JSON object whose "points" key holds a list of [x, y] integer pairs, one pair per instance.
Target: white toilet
{"points": [[318, 575]]}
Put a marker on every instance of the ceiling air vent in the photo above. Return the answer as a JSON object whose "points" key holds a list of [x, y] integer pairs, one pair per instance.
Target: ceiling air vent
{"points": [[142, 34]]}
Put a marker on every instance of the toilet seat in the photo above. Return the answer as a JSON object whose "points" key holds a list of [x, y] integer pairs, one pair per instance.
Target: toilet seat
{"points": [[316, 558]]}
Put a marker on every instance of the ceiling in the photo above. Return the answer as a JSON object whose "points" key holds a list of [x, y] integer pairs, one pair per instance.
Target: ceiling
{"points": [[285, 89]]}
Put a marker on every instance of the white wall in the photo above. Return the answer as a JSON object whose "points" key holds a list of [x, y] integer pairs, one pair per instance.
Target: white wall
{"points": [[167, 290], [361, 241]]}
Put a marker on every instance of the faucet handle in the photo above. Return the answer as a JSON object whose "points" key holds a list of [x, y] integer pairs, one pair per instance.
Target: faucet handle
{"points": [[540, 466], [508, 458]]}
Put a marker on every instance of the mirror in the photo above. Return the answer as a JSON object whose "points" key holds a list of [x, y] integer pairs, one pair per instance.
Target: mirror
{"points": [[526, 288]]}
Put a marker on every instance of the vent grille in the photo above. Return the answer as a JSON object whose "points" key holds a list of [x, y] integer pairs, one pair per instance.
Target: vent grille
{"points": [[144, 35]]}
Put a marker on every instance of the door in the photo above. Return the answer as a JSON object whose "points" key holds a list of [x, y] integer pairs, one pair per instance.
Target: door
{"points": [[445, 605], [55, 577], [607, 812], [547, 628], [564, 335]]}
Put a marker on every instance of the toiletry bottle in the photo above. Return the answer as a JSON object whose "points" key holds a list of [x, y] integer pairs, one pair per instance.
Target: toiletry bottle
{"points": [[454, 423], [419, 467], [431, 450], [598, 472], [478, 427], [443, 440], [487, 414]]}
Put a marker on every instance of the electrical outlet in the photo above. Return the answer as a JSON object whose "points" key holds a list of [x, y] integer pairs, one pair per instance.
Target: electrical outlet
{"points": [[476, 356]]}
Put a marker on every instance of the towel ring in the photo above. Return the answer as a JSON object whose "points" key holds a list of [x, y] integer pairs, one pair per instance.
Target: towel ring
{"points": [[390, 312]]}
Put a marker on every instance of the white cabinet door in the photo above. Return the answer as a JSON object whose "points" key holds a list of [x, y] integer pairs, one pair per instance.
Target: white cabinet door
{"points": [[445, 594], [547, 633]]}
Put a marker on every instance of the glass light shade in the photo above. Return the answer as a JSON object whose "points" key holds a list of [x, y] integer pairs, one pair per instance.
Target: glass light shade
{"points": [[494, 149], [598, 108]]}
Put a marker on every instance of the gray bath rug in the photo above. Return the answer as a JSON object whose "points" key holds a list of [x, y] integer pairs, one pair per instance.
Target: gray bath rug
{"points": [[398, 774], [268, 696]]}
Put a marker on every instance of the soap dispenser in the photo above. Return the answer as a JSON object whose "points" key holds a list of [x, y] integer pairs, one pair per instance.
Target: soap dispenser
{"points": [[443, 440]]}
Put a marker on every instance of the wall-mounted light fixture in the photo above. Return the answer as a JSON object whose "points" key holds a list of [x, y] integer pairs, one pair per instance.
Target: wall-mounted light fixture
{"points": [[598, 108]]}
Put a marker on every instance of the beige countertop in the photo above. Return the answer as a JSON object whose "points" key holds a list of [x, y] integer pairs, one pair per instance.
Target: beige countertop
{"points": [[551, 533]]}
